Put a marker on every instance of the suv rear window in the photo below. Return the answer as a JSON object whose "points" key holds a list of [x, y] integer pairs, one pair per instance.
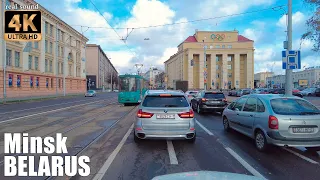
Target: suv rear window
{"points": [[167, 101], [285, 106], [214, 96], [193, 92]]}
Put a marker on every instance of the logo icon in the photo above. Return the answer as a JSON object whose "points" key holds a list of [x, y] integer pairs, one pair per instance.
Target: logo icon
{"points": [[304, 122], [217, 36], [22, 25], [165, 111]]}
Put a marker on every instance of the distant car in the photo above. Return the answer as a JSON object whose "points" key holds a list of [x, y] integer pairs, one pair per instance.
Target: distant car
{"points": [[165, 114], [209, 101], [308, 92], [90, 93], [115, 90], [274, 119], [232, 93], [317, 92], [242, 92], [191, 94]]}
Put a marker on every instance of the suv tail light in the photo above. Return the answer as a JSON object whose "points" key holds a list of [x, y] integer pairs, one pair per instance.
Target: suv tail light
{"points": [[203, 99], [189, 114], [224, 100], [273, 122], [142, 114]]}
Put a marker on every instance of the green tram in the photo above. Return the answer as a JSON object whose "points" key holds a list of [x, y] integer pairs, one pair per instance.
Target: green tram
{"points": [[132, 89]]}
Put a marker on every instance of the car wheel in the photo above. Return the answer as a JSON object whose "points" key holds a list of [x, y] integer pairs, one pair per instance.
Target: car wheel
{"points": [[226, 125], [136, 139], [260, 141], [199, 109], [193, 140]]}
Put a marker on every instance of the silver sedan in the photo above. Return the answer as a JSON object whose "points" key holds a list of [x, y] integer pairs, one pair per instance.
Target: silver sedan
{"points": [[275, 119], [165, 115]]}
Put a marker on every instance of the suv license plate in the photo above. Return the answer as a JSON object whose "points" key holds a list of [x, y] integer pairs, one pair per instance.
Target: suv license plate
{"points": [[165, 116], [303, 130]]}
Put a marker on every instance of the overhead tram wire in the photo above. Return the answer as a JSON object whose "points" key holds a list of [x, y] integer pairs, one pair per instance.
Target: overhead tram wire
{"points": [[186, 22], [111, 28]]}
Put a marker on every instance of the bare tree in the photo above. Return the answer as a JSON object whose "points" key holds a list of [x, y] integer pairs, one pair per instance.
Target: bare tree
{"points": [[313, 24]]}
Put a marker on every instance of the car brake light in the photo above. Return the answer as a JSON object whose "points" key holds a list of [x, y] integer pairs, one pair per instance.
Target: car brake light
{"points": [[189, 114], [189, 95], [225, 100], [165, 95], [142, 114], [203, 99], [273, 122]]}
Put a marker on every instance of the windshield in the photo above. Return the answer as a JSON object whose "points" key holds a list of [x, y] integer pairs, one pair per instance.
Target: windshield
{"points": [[129, 84], [90, 91], [214, 96], [286, 106], [170, 101]]}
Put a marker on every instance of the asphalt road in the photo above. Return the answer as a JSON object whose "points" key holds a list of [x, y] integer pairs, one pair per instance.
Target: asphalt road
{"points": [[100, 128]]}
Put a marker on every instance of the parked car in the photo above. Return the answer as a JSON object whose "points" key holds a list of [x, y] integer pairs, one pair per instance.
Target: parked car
{"points": [[317, 92], [242, 92], [209, 101], [302, 88], [308, 92], [164, 114], [274, 119], [90, 93], [190, 95], [232, 93]]}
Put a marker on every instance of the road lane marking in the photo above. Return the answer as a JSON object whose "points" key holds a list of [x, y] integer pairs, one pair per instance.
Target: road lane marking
{"points": [[244, 163], [31, 115], [301, 156], [172, 153], [113, 155], [204, 128]]}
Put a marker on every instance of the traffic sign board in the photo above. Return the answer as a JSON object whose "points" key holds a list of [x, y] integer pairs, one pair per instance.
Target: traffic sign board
{"points": [[291, 60]]}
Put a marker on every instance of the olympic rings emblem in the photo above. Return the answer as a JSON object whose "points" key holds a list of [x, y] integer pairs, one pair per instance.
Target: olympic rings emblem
{"points": [[218, 36]]}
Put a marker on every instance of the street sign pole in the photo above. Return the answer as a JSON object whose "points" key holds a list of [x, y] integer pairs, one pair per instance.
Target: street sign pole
{"points": [[288, 85]]}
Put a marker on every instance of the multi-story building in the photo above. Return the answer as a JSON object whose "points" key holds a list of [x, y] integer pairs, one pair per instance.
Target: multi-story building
{"points": [[151, 75], [260, 79], [100, 70], [160, 80], [52, 66], [229, 61], [309, 77]]}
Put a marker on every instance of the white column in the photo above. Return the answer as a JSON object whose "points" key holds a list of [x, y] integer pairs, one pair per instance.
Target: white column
{"points": [[201, 66], [213, 71], [190, 71], [236, 70], [224, 75], [249, 78]]}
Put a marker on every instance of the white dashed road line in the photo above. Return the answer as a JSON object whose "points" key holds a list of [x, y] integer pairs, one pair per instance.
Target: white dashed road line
{"points": [[172, 153], [113, 155], [235, 155], [301, 156], [204, 128], [244, 163]]}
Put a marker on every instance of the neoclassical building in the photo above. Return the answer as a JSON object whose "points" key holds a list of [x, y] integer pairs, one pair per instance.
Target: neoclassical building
{"points": [[52, 66]]}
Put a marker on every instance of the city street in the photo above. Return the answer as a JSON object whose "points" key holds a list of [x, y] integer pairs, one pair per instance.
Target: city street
{"points": [[101, 128]]}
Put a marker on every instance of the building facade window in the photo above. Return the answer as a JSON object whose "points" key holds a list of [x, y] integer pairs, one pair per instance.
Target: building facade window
{"points": [[62, 52], [223, 46], [46, 46], [62, 68], [217, 46], [8, 3], [230, 75], [217, 58], [218, 75], [46, 65], [46, 27], [51, 46], [59, 68], [70, 69], [17, 59], [229, 46], [217, 67], [229, 58], [30, 62], [9, 57], [59, 35], [229, 66], [36, 63], [51, 30], [36, 45], [59, 49], [50, 65]]}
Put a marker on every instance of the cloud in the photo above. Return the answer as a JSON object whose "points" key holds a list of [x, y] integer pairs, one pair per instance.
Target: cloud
{"points": [[298, 21]]}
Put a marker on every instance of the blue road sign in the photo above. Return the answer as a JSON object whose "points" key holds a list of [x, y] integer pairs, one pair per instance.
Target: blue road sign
{"points": [[272, 82], [291, 60]]}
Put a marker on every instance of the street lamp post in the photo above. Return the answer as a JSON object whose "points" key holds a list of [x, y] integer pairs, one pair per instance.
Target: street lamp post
{"points": [[288, 85]]}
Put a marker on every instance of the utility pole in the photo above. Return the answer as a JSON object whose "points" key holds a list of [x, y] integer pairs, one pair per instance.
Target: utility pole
{"points": [[288, 88], [4, 56]]}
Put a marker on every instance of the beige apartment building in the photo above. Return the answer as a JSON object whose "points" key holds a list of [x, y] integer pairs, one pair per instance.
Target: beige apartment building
{"points": [[260, 79], [53, 66], [229, 61], [100, 71]]}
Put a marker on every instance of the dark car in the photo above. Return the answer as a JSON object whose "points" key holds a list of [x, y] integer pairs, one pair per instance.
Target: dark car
{"points": [[278, 91], [232, 93], [209, 101], [317, 92]]}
